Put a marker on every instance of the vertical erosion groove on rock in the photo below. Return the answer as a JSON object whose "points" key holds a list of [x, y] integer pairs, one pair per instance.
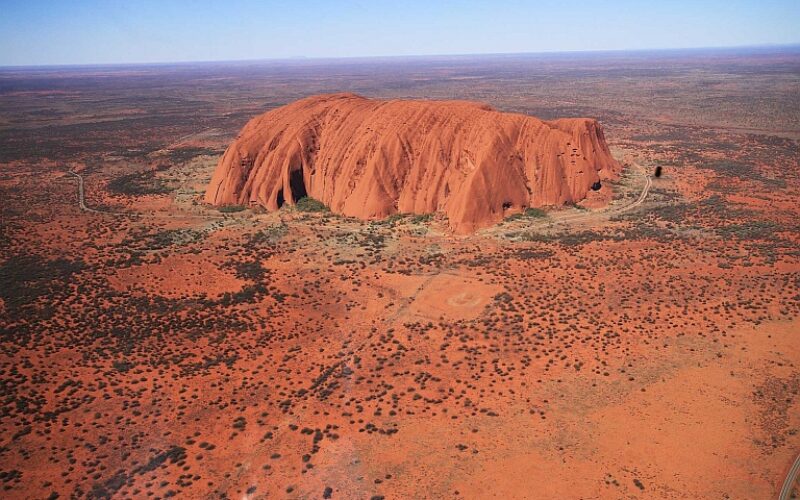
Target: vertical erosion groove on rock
{"points": [[372, 158]]}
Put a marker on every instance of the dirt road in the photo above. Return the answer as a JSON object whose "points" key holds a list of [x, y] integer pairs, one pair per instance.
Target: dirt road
{"points": [[610, 210], [791, 480], [81, 195], [554, 218], [82, 205]]}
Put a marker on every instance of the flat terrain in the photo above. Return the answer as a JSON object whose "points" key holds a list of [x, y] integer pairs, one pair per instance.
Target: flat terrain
{"points": [[642, 344]]}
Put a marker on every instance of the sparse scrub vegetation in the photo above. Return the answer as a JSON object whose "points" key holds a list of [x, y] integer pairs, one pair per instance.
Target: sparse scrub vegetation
{"points": [[307, 204], [163, 353], [528, 213], [139, 184], [230, 209]]}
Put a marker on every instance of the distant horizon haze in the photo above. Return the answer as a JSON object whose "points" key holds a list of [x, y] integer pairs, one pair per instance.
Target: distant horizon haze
{"points": [[94, 32], [734, 50]]}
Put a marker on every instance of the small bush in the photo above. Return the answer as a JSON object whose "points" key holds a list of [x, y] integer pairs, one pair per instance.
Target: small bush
{"points": [[529, 213], [421, 219], [535, 212], [123, 366], [229, 209], [138, 184], [306, 204], [394, 218]]}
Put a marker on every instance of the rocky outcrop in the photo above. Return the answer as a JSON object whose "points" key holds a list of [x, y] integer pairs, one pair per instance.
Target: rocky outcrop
{"points": [[371, 158]]}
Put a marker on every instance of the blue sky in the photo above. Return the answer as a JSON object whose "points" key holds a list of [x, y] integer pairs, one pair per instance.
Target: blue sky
{"points": [[34, 32]]}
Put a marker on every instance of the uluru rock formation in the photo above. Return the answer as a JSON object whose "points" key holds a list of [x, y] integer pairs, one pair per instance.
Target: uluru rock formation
{"points": [[372, 158]]}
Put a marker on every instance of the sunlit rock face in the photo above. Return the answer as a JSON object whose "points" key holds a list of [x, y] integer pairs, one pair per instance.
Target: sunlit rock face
{"points": [[372, 158]]}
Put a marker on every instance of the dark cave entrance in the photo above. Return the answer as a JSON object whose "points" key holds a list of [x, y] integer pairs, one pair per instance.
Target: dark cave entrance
{"points": [[297, 185], [596, 186]]}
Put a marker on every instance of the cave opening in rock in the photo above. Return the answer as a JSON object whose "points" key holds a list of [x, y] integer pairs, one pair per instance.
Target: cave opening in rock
{"points": [[297, 185]]}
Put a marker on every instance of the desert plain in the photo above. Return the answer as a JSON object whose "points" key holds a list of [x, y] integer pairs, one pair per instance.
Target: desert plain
{"points": [[642, 343]]}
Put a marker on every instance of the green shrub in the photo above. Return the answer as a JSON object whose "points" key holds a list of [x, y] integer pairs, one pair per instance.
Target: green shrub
{"points": [[529, 213], [306, 204], [421, 219], [138, 184], [228, 209]]}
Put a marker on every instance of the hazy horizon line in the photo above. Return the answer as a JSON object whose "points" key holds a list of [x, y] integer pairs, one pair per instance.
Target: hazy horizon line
{"points": [[794, 45]]}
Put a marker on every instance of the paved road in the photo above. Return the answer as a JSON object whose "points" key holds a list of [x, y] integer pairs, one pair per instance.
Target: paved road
{"points": [[791, 479]]}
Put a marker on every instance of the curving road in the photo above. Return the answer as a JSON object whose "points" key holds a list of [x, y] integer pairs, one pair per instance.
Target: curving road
{"points": [[554, 218], [82, 205], [648, 183], [791, 480], [82, 196], [576, 217]]}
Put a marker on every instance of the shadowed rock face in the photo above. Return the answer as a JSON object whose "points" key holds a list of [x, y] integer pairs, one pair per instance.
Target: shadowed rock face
{"points": [[371, 158]]}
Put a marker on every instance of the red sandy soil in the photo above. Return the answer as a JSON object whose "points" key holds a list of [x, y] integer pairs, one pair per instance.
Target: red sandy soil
{"points": [[384, 359], [370, 159], [176, 276], [164, 348]]}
